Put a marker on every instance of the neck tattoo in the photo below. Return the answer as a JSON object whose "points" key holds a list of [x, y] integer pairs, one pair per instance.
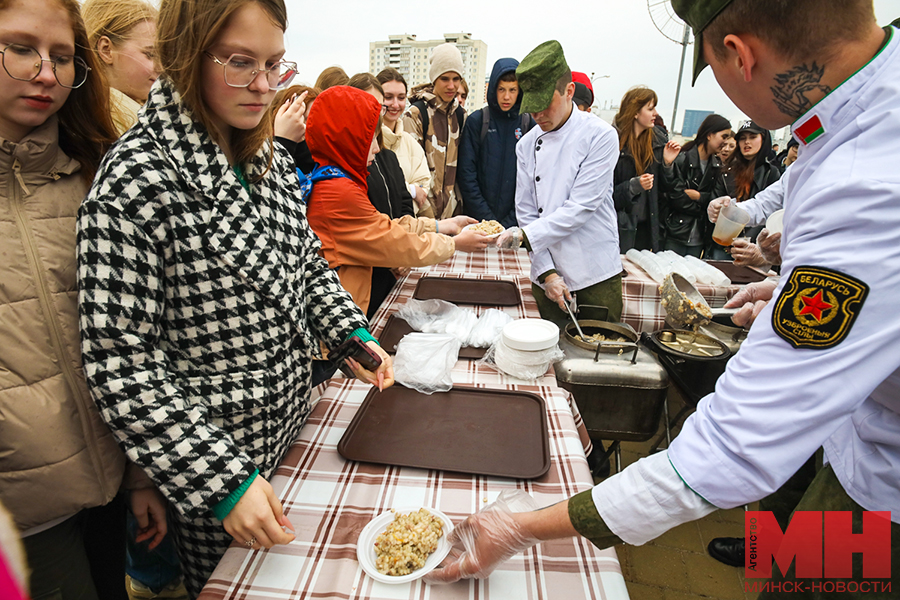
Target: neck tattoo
{"points": [[793, 87]]}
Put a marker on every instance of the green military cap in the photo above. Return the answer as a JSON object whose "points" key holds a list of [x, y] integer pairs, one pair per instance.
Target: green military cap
{"points": [[698, 14], [537, 75]]}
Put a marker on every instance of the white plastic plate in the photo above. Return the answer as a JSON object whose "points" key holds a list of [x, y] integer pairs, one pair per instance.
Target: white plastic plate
{"points": [[530, 334], [365, 546], [492, 236], [775, 222]]}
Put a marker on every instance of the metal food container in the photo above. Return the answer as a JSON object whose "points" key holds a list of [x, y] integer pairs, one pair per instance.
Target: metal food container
{"points": [[619, 387]]}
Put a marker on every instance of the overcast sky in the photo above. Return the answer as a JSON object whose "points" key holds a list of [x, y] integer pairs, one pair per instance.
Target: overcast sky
{"points": [[607, 37]]}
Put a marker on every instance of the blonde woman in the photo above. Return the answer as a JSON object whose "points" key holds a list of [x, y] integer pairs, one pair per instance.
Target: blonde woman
{"points": [[122, 34]]}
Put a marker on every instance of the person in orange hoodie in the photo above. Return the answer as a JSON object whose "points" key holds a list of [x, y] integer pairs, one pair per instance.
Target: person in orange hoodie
{"points": [[355, 237]]}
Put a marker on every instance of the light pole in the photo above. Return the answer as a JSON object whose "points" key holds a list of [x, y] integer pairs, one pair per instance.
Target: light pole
{"points": [[593, 79]]}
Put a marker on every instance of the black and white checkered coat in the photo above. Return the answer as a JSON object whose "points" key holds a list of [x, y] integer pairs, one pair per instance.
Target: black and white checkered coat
{"points": [[200, 306]]}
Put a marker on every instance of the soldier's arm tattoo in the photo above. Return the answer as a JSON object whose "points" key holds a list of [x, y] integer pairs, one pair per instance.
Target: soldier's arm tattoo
{"points": [[791, 89]]}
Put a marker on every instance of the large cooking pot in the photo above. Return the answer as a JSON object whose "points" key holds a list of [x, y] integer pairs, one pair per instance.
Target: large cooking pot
{"points": [[619, 387]]}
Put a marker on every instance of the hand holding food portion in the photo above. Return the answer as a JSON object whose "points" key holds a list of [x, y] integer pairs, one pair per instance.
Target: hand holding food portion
{"points": [[454, 225]]}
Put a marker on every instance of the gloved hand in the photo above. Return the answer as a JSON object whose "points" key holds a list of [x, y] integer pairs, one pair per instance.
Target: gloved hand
{"points": [[751, 300], [489, 538], [556, 290], [747, 253], [714, 206], [770, 246], [510, 239]]}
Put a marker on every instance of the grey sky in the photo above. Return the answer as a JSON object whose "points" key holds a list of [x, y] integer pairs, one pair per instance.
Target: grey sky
{"points": [[608, 37]]}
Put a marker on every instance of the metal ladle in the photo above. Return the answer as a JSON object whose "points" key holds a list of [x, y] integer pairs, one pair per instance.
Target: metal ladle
{"points": [[574, 320]]}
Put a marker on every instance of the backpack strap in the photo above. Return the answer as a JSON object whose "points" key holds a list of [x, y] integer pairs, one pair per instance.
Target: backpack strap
{"points": [[485, 121], [423, 115]]}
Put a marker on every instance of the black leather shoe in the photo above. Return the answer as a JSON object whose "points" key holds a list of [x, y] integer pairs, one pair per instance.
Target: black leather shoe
{"points": [[728, 550]]}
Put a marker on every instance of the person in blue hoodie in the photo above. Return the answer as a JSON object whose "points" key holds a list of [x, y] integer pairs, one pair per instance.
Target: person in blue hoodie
{"points": [[486, 171]]}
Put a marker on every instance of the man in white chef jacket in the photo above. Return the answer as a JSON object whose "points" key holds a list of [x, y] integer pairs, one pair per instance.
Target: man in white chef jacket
{"points": [[821, 364], [564, 182]]}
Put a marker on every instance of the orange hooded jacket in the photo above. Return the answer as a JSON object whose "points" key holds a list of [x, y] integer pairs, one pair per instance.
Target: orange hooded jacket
{"points": [[355, 236]]}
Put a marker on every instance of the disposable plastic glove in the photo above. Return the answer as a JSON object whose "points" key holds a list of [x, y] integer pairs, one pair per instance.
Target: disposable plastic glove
{"points": [[556, 290], [747, 253], [714, 206], [488, 538], [510, 239], [751, 300], [770, 246]]}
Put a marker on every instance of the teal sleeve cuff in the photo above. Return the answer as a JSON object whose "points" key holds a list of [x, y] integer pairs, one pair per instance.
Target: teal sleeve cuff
{"points": [[364, 336], [224, 507]]}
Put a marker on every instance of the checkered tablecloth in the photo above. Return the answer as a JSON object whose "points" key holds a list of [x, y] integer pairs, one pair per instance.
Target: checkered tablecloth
{"points": [[640, 294], [329, 500]]}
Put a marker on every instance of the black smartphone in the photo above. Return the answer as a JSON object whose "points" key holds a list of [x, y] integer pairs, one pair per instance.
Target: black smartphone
{"points": [[354, 348]]}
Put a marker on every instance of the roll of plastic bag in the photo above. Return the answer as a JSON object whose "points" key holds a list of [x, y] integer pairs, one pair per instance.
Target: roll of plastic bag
{"points": [[424, 361], [488, 328]]}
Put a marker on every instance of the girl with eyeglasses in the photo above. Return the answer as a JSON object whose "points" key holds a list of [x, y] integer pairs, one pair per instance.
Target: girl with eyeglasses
{"points": [[60, 466], [122, 34], [203, 296]]}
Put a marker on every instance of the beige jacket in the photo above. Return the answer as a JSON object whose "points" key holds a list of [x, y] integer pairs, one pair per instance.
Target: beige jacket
{"points": [[57, 456], [412, 161]]}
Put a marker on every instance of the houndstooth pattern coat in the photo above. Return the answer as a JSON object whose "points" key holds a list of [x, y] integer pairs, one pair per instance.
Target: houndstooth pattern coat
{"points": [[200, 306]]}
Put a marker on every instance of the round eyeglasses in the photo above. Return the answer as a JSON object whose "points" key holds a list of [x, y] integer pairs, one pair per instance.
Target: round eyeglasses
{"points": [[24, 63], [240, 71]]}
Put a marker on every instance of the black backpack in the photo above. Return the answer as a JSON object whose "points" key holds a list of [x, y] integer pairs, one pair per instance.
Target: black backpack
{"points": [[524, 120], [423, 114]]}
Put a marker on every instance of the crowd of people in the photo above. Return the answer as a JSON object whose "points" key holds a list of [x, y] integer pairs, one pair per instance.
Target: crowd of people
{"points": [[188, 240]]}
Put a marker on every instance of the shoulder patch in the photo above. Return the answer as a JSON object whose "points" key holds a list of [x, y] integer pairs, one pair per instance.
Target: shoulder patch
{"points": [[817, 307]]}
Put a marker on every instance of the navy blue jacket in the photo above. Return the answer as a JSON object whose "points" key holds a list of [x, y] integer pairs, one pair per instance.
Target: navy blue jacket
{"points": [[486, 170]]}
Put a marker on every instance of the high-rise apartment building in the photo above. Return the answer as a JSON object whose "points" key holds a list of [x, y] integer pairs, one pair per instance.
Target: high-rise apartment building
{"points": [[410, 56]]}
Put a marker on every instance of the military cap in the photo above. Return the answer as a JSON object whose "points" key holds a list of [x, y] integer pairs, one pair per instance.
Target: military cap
{"points": [[698, 14], [537, 75]]}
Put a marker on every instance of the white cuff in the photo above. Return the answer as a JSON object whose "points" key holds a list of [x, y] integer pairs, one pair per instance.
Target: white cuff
{"points": [[412, 190], [647, 499]]}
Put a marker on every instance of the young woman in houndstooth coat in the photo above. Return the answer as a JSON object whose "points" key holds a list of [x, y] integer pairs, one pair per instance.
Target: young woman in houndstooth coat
{"points": [[203, 297]]}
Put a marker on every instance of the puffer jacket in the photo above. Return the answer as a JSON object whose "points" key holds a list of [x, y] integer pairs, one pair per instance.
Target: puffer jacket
{"points": [[441, 145], [487, 168], [412, 160], [355, 236], [57, 456], [202, 303]]}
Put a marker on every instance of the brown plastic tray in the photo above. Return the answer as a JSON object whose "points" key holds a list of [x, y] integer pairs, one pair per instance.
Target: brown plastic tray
{"points": [[396, 328], [467, 430], [483, 292], [737, 273]]}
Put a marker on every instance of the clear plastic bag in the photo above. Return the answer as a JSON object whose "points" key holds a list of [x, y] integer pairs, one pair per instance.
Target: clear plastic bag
{"points": [[520, 363], [424, 361], [488, 328], [439, 316]]}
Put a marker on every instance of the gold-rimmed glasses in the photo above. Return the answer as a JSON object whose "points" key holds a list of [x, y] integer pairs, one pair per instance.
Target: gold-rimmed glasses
{"points": [[24, 63], [240, 71]]}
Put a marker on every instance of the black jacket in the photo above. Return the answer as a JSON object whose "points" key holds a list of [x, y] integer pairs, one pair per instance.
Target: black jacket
{"points": [[764, 175], [685, 214], [387, 187], [627, 196]]}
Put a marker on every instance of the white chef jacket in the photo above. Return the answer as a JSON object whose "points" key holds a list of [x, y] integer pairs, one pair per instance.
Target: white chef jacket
{"points": [[564, 184], [776, 404]]}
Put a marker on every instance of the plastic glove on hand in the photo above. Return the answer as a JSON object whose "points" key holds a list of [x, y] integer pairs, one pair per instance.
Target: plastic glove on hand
{"points": [[770, 246], [488, 538], [761, 290], [714, 206], [747, 253], [556, 290], [510, 239], [746, 315]]}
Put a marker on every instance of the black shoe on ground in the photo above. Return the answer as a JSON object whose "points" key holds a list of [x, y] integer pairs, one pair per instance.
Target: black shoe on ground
{"points": [[728, 550]]}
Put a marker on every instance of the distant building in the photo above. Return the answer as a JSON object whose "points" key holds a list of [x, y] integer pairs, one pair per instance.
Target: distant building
{"points": [[692, 120], [410, 56]]}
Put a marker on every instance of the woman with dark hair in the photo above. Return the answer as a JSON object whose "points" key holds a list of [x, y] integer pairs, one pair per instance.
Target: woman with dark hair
{"points": [[696, 173], [644, 153], [203, 297], [745, 175]]}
